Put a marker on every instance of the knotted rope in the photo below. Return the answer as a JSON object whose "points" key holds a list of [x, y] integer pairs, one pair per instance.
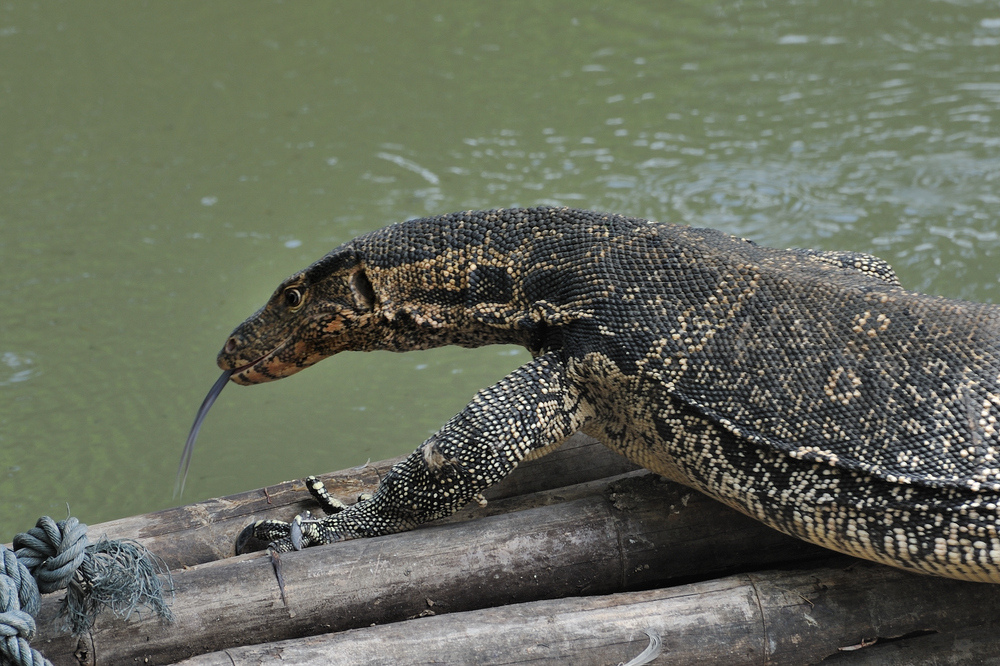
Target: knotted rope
{"points": [[120, 575]]}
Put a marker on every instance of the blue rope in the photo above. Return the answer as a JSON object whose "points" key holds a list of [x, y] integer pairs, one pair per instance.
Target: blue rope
{"points": [[52, 551], [19, 602], [51, 556]]}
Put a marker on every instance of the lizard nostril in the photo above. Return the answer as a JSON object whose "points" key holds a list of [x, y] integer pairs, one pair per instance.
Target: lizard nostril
{"points": [[231, 345]]}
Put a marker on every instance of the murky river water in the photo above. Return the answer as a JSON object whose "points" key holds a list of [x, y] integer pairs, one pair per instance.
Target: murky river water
{"points": [[164, 165]]}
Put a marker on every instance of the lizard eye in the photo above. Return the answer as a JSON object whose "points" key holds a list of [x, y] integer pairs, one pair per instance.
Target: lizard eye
{"points": [[293, 297]]}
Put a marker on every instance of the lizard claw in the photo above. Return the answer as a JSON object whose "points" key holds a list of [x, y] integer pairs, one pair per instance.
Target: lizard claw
{"points": [[302, 530], [247, 541], [275, 535]]}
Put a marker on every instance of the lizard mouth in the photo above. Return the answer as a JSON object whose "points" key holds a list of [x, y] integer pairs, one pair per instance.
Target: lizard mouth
{"points": [[265, 368]]}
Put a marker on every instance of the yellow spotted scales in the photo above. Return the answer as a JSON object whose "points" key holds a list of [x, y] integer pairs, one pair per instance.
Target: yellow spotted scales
{"points": [[806, 389]]}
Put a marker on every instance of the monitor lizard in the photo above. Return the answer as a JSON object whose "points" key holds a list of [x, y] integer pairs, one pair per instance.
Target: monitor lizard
{"points": [[807, 389]]}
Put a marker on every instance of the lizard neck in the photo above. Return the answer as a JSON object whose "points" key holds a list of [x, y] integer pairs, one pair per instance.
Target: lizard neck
{"points": [[468, 280], [433, 305]]}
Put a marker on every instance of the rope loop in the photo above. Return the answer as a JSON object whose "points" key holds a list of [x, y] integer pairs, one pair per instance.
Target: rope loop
{"points": [[16, 651], [52, 551], [15, 573], [17, 627], [120, 575], [13, 620]]}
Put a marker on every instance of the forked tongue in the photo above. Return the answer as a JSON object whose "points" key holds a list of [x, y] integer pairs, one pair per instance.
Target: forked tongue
{"points": [[213, 393]]}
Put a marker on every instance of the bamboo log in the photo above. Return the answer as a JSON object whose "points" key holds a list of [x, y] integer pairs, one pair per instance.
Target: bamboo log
{"points": [[636, 532], [776, 617], [203, 532], [972, 646]]}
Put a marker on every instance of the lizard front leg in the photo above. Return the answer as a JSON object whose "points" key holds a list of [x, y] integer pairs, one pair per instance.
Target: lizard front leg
{"points": [[531, 409]]}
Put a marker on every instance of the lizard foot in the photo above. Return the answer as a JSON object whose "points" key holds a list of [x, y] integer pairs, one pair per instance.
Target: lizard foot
{"points": [[303, 531]]}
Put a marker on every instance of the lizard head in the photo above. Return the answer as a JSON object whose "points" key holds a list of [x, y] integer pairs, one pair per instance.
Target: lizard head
{"points": [[315, 313]]}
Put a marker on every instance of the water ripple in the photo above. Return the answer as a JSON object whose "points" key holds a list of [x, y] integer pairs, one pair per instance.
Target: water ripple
{"points": [[16, 367]]}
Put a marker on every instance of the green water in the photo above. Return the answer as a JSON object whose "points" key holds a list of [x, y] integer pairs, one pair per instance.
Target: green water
{"points": [[164, 165]]}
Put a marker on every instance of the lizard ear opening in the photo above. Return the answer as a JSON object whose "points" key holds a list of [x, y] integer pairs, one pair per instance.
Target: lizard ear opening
{"points": [[361, 289]]}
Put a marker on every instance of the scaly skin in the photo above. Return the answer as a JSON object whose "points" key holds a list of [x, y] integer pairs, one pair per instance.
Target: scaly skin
{"points": [[806, 389]]}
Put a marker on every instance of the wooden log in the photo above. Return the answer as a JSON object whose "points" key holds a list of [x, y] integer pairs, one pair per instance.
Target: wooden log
{"points": [[972, 646], [778, 617], [206, 531], [636, 532]]}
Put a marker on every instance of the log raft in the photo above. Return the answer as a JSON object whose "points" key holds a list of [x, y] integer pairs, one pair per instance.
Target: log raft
{"points": [[204, 532], [774, 617], [574, 557]]}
